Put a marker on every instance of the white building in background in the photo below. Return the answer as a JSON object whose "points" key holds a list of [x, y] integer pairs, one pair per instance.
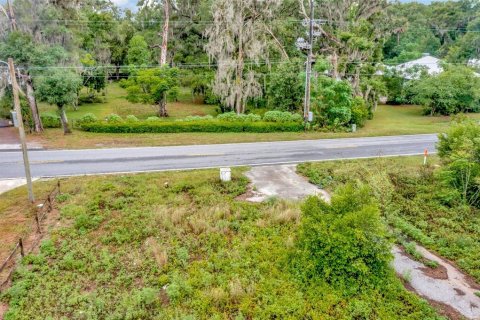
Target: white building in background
{"points": [[428, 63]]}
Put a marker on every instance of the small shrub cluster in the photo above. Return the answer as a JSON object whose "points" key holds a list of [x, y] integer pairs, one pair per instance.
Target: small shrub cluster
{"points": [[154, 126], [87, 118], [343, 243], [459, 150], [50, 120], [198, 118], [131, 118], [114, 118], [281, 116], [233, 117]]}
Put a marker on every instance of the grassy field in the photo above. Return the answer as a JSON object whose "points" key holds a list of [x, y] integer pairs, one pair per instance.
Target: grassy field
{"points": [[128, 247], [415, 203], [115, 102], [388, 120]]}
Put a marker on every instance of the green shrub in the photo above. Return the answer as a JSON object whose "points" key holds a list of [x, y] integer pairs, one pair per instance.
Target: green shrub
{"points": [[459, 150], [360, 112], [87, 118], [153, 119], [450, 92], [131, 118], [286, 86], [153, 126], [343, 243], [228, 116], [281, 116], [198, 118], [233, 117], [114, 118], [50, 120], [123, 83]]}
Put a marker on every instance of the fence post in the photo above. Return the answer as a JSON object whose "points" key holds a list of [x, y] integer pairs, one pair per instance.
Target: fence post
{"points": [[58, 185], [49, 204], [20, 242], [38, 223]]}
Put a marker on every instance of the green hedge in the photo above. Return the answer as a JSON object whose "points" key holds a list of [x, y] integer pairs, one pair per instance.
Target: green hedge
{"points": [[50, 120], [193, 126]]}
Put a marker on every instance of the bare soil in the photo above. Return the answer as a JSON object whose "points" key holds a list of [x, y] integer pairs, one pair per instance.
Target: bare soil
{"points": [[439, 272]]}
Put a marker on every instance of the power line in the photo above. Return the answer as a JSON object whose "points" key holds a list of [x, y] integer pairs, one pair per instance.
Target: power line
{"points": [[213, 22], [206, 65]]}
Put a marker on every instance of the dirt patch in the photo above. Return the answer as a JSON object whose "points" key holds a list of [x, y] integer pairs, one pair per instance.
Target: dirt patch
{"points": [[439, 272], [9, 135], [3, 309], [250, 194]]}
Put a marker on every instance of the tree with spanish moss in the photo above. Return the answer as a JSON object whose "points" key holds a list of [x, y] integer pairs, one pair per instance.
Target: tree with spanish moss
{"points": [[237, 41]]}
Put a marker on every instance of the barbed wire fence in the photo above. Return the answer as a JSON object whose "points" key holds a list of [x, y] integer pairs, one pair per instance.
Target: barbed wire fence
{"points": [[21, 249]]}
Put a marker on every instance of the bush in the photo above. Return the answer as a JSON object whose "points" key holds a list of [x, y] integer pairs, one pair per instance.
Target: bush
{"points": [[452, 91], [114, 118], [153, 119], [286, 87], [360, 112], [198, 118], [87, 118], [50, 120], [228, 116], [343, 243], [335, 104], [233, 117], [151, 126], [281, 116], [459, 150], [131, 118]]}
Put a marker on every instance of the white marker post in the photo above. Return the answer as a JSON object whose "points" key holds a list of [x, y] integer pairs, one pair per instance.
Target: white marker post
{"points": [[425, 157], [225, 174]]}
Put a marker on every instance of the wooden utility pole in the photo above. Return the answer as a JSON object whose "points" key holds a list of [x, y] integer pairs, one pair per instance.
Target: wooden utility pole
{"points": [[164, 48], [11, 16], [306, 107], [21, 129]]}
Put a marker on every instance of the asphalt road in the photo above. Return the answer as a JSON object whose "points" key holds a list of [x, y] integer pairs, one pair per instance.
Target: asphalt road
{"points": [[54, 163]]}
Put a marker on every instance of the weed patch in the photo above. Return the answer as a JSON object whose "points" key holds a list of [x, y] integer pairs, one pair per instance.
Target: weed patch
{"points": [[128, 247]]}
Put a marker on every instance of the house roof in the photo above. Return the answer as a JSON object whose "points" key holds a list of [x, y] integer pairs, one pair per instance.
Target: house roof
{"points": [[431, 64]]}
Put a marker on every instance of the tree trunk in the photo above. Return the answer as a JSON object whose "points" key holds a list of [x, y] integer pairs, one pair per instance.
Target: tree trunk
{"points": [[162, 107], [334, 61], [63, 120], [239, 78], [163, 52], [38, 127]]}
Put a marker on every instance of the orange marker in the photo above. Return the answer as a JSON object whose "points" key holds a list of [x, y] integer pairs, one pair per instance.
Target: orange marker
{"points": [[425, 157]]}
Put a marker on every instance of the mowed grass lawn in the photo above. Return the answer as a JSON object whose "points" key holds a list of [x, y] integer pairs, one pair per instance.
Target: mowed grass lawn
{"points": [[116, 102], [388, 120], [128, 247]]}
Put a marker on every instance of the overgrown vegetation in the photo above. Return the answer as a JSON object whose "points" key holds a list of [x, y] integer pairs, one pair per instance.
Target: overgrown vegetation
{"points": [[344, 243], [415, 200], [133, 247]]}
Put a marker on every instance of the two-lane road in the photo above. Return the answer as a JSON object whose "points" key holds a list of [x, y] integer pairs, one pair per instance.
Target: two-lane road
{"points": [[53, 163]]}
